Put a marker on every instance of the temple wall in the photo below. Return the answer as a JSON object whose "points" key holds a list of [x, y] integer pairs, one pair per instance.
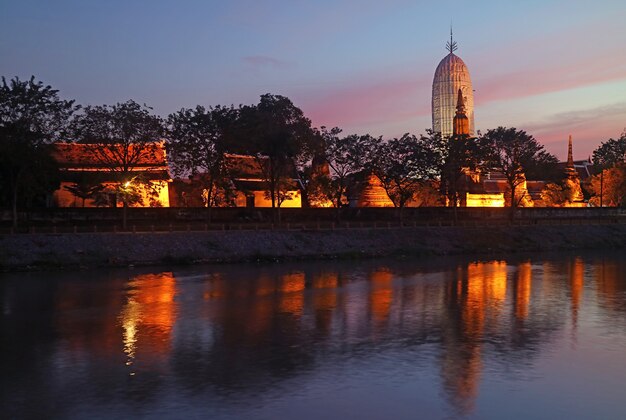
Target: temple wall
{"points": [[63, 198], [261, 200], [484, 200]]}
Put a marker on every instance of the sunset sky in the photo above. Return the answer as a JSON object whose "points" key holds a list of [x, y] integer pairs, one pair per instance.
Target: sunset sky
{"points": [[552, 68]]}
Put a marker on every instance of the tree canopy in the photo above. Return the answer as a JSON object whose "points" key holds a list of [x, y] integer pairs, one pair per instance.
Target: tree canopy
{"points": [[122, 138], [515, 153], [197, 141], [31, 117], [610, 152], [347, 157], [403, 166], [280, 137]]}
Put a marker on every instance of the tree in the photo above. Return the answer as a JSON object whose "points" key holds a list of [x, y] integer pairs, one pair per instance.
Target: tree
{"points": [[457, 158], [554, 195], [611, 152], [315, 180], [609, 187], [124, 139], [404, 166], [514, 153], [346, 157], [31, 117], [197, 141], [608, 155], [279, 136]]}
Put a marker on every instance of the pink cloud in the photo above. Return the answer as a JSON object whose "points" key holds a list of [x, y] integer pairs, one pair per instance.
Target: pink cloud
{"points": [[368, 103], [588, 128], [546, 63], [533, 82]]}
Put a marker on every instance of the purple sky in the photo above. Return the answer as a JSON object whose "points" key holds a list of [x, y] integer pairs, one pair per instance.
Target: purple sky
{"points": [[552, 68]]}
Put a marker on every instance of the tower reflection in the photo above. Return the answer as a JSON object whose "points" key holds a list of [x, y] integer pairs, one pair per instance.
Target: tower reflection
{"points": [[474, 300]]}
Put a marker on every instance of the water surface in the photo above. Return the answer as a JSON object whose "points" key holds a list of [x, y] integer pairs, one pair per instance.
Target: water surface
{"points": [[541, 337]]}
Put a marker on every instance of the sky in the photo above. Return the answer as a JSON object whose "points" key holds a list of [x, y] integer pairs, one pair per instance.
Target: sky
{"points": [[552, 68]]}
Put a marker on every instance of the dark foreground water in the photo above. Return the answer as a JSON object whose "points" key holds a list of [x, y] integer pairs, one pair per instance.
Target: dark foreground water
{"points": [[526, 338]]}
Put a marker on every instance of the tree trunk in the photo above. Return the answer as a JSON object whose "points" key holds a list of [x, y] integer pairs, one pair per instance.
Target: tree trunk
{"points": [[14, 206], [124, 214], [209, 203], [513, 203], [455, 213]]}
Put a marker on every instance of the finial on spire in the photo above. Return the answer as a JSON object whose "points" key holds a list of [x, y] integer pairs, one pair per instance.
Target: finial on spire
{"points": [[570, 156], [451, 45]]}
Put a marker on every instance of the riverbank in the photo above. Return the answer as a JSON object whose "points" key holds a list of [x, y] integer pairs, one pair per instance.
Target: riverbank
{"points": [[58, 251]]}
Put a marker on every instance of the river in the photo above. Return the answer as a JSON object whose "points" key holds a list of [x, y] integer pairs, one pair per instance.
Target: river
{"points": [[521, 337]]}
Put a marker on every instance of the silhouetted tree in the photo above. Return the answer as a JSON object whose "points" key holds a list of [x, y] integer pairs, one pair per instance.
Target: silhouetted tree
{"points": [[197, 141], [458, 156], [314, 174], [404, 166], [610, 152], [31, 117], [347, 157], [279, 136], [124, 139], [513, 152]]}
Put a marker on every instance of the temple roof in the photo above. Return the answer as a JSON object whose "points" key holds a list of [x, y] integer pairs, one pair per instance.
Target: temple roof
{"points": [[94, 157]]}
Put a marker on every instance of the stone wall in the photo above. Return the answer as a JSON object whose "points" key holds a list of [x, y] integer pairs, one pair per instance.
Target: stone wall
{"points": [[41, 251]]}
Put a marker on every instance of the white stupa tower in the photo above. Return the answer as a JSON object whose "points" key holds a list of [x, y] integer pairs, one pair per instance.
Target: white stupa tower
{"points": [[451, 75]]}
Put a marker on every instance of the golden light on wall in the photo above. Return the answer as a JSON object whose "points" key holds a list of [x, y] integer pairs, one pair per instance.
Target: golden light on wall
{"points": [[484, 200]]}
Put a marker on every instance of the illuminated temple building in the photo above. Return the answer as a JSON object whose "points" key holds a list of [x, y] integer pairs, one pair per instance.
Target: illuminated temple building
{"points": [[92, 175]]}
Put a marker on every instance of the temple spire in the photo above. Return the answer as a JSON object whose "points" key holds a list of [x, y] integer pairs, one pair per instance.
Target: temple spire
{"points": [[460, 123], [460, 103], [570, 155]]}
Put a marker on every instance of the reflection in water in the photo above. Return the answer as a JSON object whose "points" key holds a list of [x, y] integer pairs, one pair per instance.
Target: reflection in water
{"points": [[150, 310], [244, 337], [381, 294], [324, 300], [476, 298], [130, 318], [522, 290], [291, 293], [577, 281]]}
